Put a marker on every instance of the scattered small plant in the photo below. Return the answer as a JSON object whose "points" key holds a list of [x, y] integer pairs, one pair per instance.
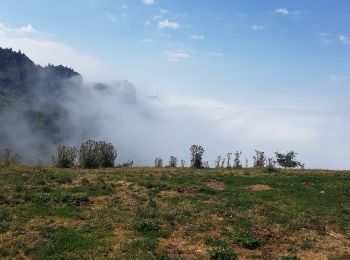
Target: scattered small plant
{"points": [[218, 162], [173, 162], [308, 244], [237, 160], [197, 152], [259, 159], [9, 158], [183, 163], [222, 253], [229, 156], [271, 166], [210, 241], [127, 164], [158, 162]]}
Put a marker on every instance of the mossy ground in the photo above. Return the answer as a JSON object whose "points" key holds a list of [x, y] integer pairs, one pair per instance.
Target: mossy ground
{"points": [[148, 213]]}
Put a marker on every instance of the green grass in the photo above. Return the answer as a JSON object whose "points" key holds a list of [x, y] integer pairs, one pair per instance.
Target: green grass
{"points": [[148, 213]]}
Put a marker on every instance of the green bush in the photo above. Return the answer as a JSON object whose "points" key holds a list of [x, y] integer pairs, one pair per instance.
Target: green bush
{"points": [[97, 154], [222, 253], [247, 240], [147, 225], [65, 156]]}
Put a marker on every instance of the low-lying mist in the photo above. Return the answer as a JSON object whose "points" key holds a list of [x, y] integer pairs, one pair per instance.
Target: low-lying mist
{"points": [[42, 107]]}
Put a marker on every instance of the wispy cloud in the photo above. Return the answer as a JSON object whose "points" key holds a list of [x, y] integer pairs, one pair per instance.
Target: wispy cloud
{"points": [[258, 27], [148, 40], [215, 54], [283, 11], [161, 14], [343, 39], [148, 2], [335, 77], [197, 37], [27, 29], [111, 17], [167, 24], [177, 55]]}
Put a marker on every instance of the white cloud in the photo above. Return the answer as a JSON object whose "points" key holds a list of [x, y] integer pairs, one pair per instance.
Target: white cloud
{"points": [[167, 24], [148, 2], [27, 29], [43, 51], [343, 39], [283, 11], [23, 30], [304, 129], [258, 27], [177, 55], [197, 37], [336, 77]]}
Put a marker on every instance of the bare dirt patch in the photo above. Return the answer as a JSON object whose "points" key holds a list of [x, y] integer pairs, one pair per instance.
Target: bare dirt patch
{"points": [[179, 191], [260, 187], [216, 185]]}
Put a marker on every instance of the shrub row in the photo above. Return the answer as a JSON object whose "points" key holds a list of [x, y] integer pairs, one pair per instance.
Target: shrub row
{"points": [[92, 154]]}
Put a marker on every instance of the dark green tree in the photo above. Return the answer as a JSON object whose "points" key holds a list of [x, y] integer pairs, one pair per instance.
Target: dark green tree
{"points": [[197, 152]]}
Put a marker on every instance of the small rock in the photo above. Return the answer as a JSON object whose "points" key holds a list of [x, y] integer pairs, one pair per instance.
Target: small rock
{"points": [[322, 192]]}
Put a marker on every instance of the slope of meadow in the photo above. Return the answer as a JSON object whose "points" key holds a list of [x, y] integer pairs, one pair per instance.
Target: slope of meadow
{"points": [[148, 213]]}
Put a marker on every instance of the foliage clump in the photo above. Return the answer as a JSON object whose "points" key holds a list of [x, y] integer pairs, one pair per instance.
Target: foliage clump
{"points": [[97, 154], [65, 156], [288, 160], [222, 253], [197, 152]]}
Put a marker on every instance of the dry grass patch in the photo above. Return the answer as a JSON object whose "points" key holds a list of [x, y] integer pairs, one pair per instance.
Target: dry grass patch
{"points": [[216, 185], [100, 202], [129, 193], [259, 187], [180, 248]]}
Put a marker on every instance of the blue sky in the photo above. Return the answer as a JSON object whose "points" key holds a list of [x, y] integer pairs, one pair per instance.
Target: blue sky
{"points": [[233, 46], [285, 55]]}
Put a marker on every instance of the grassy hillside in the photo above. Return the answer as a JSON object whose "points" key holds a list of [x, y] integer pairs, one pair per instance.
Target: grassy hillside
{"points": [[147, 213]]}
